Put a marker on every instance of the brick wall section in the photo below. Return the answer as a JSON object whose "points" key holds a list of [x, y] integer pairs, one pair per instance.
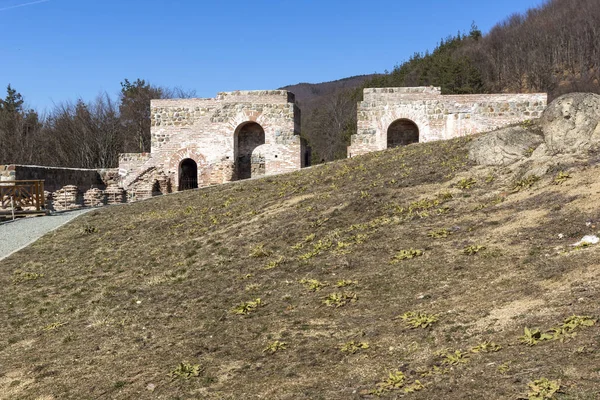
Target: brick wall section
{"points": [[205, 130], [437, 116]]}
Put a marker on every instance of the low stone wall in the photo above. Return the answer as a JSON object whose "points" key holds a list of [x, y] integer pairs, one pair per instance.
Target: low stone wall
{"points": [[55, 178]]}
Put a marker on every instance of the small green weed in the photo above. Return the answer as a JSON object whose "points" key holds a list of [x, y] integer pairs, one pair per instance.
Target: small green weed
{"points": [[394, 381], [345, 282], [274, 263], [525, 183], [418, 319], [406, 255], [542, 389], [561, 178], [531, 337], [466, 183], [247, 307], [414, 387], [253, 287], [472, 250], [454, 358], [185, 371], [313, 285], [435, 370], [353, 347], [275, 347], [89, 229], [22, 276], [439, 233], [503, 368], [54, 326], [259, 251], [578, 321], [561, 333], [527, 123], [340, 299], [486, 347], [445, 196]]}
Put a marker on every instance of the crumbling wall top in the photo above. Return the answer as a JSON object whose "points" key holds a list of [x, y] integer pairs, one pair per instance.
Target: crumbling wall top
{"points": [[240, 96], [257, 96], [375, 94]]}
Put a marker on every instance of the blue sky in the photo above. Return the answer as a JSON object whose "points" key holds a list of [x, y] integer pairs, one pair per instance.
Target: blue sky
{"points": [[58, 50]]}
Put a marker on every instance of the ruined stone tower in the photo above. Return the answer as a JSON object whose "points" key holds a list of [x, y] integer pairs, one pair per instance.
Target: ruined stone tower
{"points": [[200, 142]]}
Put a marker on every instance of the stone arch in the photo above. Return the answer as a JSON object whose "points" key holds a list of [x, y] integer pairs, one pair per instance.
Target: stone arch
{"points": [[249, 162], [188, 174], [172, 166], [402, 132]]}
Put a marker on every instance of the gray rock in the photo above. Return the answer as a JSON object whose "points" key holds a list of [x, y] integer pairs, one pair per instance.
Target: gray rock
{"points": [[571, 123], [504, 146]]}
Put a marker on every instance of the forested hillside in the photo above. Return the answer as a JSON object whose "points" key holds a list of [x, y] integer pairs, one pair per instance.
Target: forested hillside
{"points": [[554, 48]]}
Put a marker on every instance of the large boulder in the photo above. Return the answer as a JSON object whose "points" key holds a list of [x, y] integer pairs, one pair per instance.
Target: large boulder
{"points": [[504, 146], [571, 123]]}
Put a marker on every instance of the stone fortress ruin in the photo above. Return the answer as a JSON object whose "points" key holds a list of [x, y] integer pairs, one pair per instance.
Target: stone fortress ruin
{"points": [[247, 134], [391, 117], [202, 142]]}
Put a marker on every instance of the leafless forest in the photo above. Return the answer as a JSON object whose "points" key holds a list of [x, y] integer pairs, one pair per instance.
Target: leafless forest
{"points": [[554, 48]]}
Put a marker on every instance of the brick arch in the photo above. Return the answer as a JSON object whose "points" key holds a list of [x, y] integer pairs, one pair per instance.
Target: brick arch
{"points": [[243, 117], [176, 158], [248, 137]]}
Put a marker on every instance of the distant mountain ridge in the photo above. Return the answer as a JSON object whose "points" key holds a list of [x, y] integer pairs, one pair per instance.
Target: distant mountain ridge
{"points": [[306, 93]]}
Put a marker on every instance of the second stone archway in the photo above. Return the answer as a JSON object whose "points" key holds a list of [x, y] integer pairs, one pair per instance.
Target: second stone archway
{"points": [[401, 133], [249, 163]]}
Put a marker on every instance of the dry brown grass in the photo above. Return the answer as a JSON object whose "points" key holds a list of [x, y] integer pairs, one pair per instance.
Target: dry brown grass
{"points": [[117, 310]]}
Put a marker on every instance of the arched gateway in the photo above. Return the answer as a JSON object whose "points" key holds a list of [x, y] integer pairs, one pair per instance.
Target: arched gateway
{"points": [[188, 174], [401, 133], [249, 163]]}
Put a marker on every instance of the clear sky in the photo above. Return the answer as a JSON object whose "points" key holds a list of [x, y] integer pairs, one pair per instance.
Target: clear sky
{"points": [[58, 50]]}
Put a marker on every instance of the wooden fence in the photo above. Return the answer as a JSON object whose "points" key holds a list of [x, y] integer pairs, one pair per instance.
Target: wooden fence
{"points": [[22, 197]]}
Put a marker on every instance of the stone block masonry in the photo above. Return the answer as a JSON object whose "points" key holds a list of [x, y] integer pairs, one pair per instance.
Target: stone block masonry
{"points": [[390, 117], [201, 142], [55, 177]]}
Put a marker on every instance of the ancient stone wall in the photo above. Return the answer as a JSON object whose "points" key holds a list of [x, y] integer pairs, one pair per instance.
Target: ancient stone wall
{"points": [[214, 134], [55, 178], [436, 116]]}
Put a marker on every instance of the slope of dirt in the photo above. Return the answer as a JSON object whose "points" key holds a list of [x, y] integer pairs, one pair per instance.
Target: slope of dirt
{"points": [[111, 305]]}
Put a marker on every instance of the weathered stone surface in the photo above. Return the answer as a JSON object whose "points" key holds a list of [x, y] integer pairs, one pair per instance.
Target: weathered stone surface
{"points": [[504, 146], [571, 123], [436, 116], [67, 198], [94, 198], [115, 194]]}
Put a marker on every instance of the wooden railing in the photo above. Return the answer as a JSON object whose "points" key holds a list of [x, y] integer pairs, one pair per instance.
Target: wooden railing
{"points": [[22, 196]]}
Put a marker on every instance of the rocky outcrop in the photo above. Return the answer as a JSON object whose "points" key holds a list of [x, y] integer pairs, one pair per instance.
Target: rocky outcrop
{"points": [[571, 123], [567, 130], [504, 146]]}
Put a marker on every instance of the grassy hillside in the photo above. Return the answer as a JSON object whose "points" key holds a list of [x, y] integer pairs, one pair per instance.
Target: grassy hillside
{"points": [[111, 306]]}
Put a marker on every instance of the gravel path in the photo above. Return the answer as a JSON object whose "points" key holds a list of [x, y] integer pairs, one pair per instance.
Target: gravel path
{"points": [[19, 234]]}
